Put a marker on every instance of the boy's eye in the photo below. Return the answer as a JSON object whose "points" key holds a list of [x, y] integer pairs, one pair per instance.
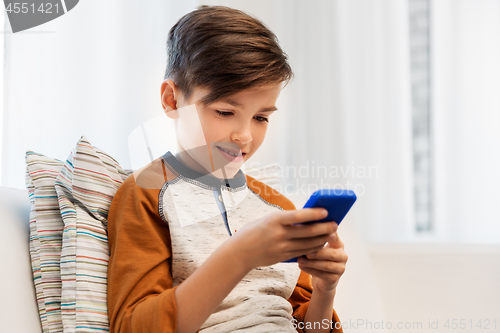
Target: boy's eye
{"points": [[223, 113], [262, 119]]}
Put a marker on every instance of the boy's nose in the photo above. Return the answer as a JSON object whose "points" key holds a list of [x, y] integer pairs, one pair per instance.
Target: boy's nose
{"points": [[243, 135]]}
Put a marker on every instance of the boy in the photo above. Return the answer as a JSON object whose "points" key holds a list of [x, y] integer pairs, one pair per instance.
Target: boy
{"points": [[194, 243]]}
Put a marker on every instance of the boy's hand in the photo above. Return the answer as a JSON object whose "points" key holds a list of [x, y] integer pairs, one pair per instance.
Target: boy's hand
{"points": [[327, 265], [274, 238]]}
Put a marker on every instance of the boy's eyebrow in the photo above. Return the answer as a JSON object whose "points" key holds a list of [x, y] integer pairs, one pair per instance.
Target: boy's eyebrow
{"points": [[238, 105]]}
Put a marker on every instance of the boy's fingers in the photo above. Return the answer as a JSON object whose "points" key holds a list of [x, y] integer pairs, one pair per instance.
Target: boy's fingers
{"points": [[306, 245], [312, 229], [335, 242], [291, 217], [337, 255]]}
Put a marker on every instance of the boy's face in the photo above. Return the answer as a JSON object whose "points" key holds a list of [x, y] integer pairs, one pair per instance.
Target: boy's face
{"points": [[235, 123]]}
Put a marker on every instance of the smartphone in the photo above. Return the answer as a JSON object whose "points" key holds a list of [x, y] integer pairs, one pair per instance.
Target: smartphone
{"points": [[337, 202]]}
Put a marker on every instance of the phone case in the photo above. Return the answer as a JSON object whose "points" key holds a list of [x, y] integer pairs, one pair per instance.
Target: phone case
{"points": [[337, 202]]}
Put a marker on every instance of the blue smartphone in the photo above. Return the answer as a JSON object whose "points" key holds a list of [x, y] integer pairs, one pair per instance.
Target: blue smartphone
{"points": [[337, 203]]}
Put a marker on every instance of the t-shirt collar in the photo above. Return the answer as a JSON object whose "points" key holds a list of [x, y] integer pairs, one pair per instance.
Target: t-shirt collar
{"points": [[207, 179]]}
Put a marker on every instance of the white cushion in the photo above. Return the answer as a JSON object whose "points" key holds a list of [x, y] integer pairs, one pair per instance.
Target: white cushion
{"points": [[18, 307]]}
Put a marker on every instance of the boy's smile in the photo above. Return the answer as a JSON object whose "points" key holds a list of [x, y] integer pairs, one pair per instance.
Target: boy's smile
{"points": [[220, 137], [231, 155]]}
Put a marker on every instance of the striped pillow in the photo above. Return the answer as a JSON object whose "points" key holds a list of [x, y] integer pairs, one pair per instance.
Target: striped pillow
{"points": [[85, 187], [68, 252], [46, 228], [68, 239]]}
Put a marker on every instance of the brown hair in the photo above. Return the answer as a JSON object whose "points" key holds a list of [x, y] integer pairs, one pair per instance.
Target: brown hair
{"points": [[225, 51]]}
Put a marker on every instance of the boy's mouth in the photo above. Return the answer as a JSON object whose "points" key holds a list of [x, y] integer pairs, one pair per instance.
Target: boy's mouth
{"points": [[231, 152], [231, 155]]}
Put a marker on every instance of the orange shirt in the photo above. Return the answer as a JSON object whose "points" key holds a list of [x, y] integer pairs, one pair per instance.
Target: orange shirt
{"points": [[140, 286]]}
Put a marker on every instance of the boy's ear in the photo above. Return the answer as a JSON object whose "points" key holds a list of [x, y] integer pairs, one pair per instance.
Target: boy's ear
{"points": [[169, 95]]}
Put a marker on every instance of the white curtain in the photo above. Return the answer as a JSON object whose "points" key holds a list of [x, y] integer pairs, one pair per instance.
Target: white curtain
{"points": [[466, 95], [96, 71]]}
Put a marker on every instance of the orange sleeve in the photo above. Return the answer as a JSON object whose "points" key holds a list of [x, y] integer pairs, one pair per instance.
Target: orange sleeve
{"points": [[300, 299], [140, 294]]}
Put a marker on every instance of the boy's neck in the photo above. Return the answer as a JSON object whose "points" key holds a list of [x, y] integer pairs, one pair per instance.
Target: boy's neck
{"points": [[190, 163]]}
